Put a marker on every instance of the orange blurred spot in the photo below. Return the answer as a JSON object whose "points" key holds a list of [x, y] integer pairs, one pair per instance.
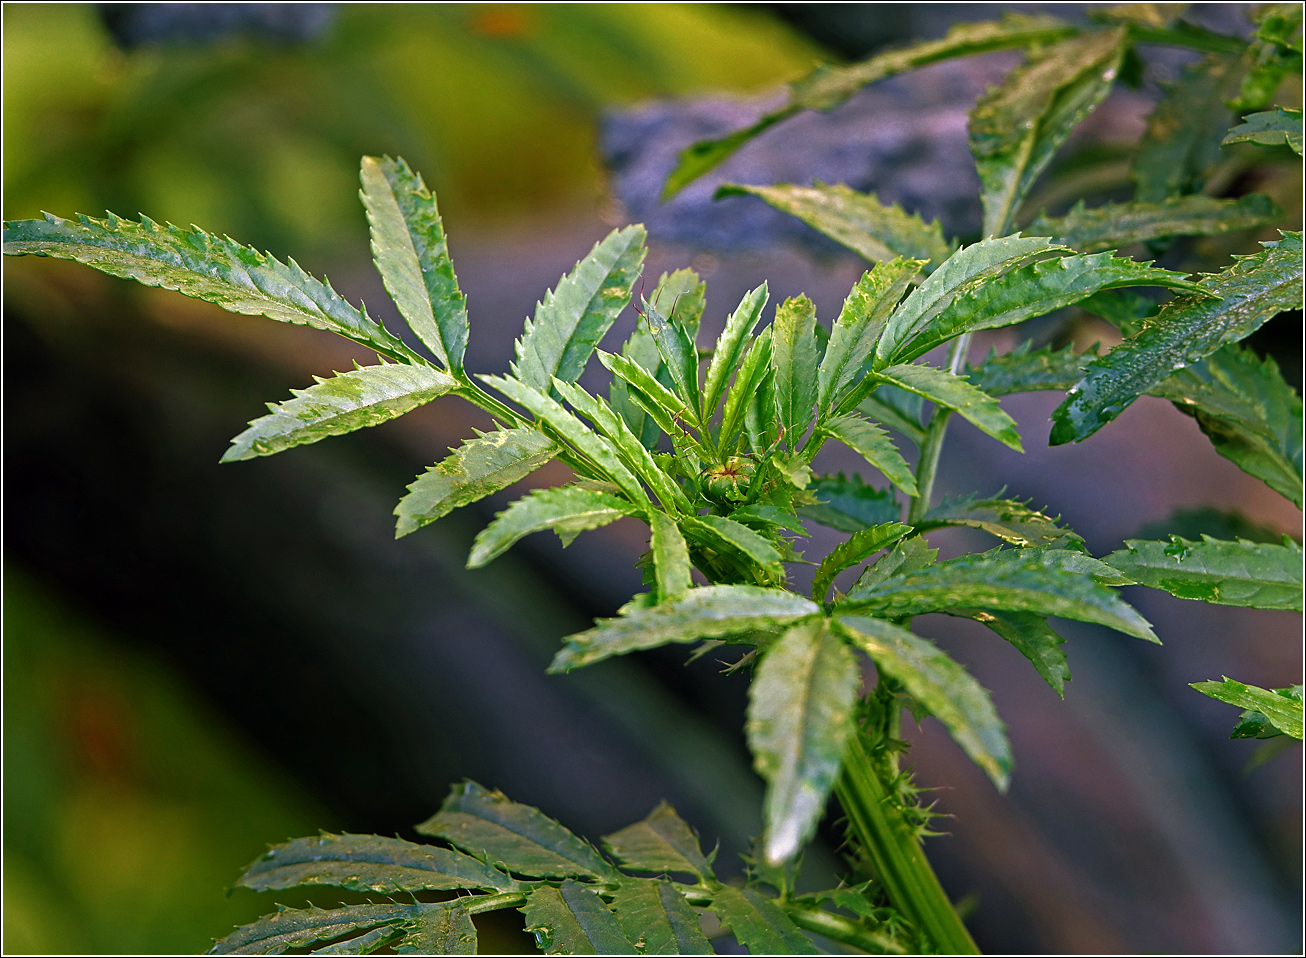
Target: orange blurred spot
{"points": [[509, 21]]}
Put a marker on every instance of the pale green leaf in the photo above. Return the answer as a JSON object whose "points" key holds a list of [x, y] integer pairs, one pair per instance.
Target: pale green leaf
{"points": [[1254, 723], [667, 409], [794, 358], [443, 931], [706, 613], [1011, 521], [875, 446], [681, 297], [576, 314], [1033, 638], [1276, 127], [723, 534], [662, 842], [894, 407], [671, 563], [760, 419], [730, 346], [875, 231], [657, 919], [515, 837], [909, 555], [862, 543], [1256, 575], [849, 505], [479, 467], [1114, 225], [758, 923], [567, 510], [1255, 289], [1284, 712], [412, 256], [641, 351], [212, 268], [753, 369], [940, 684], [978, 408], [351, 400], [298, 927], [800, 714], [572, 920], [860, 322], [675, 345]]}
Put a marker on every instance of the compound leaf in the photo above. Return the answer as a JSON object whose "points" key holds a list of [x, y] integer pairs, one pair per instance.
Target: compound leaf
{"points": [[297, 927], [351, 400], [1276, 127], [1114, 225], [1033, 638], [848, 504], [519, 838], [1011, 521], [860, 322], [799, 717], [758, 923], [953, 392], [572, 920], [671, 563], [940, 684], [875, 446], [1256, 575], [730, 346], [567, 510], [1283, 711], [662, 842], [576, 314], [412, 256], [479, 467], [705, 613], [794, 358], [861, 544], [657, 919], [441, 931]]}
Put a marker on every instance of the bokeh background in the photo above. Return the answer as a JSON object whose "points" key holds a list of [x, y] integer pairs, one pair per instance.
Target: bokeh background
{"points": [[200, 660]]}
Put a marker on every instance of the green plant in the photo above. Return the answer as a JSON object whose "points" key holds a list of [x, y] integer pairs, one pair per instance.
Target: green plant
{"points": [[717, 458]]}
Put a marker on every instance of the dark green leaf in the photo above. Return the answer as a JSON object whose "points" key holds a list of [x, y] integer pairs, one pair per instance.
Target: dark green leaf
{"points": [[858, 327], [953, 392], [1114, 225], [849, 505], [1257, 575], [365, 863], [656, 917], [863, 543], [758, 923], [941, 685], [1284, 712], [895, 408], [1276, 127], [907, 556], [874, 230], [516, 837], [1033, 638], [1023, 370], [576, 314], [706, 613], [730, 347], [567, 510], [760, 419], [641, 351], [800, 714], [352, 400], [212, 268], [1254, 723], [1124, 309], [794, 358], [670, 557], [1205, 520], [297, 927], [1188, 329], [572, 920], [1011, 521], [662, 842], [874, 444], [480, 466], [412, 256], [723, 534], [443, 931], [364, 944]]}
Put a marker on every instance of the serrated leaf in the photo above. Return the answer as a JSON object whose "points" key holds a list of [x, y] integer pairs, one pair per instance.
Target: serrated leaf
{"points": [[198, 264], [865, 437], [1008, 519], [1114, 225], [479, 467], [1025, 370], [705, 613], [1049, 582], [1254, 723], [576, 314], [760, 419], [800, 714], [567, 510], [667, 409], [875, 231], [662, 842], [369, 863], [681, 296], [1255, 289], [657, 919], [895, 408], [671, 564], [827, 87], [1182, 139], [794, 359], [965, 270], [348, 401], [675, 345], [723, 534], [444, 931], [1017, 126], [519, 838], [907, 556], [940, 684], [1282, 711], [753, 370], [730, 346], [1278, 127], [640, 350], [862, 543], [412, 256], [1033, 638], [1255, 575], [297, 927], [758, 923], [976, 407], [861, 320], [1036, 290], [572, 920], [849, 505], [364, 944]]}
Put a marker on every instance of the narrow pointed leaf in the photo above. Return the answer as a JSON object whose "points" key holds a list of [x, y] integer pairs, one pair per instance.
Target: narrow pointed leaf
{"points": [[1114, 225], [1255, 575], [576, 314], [706, 613], [641, 351], [681, 297], [657, 400], [198, 264], [978, 408], [794, 358], [679, 354], [799, 718], [348, 401], [662, 842], [723, 534], [364, 944], [907, 556], [1011, 521], [730, 346], [1284, 712], [369, 863], [849, 505], [875, 446], [1033, 638], [443, 931], [572, 920], [760, 419], [1276, 127], [568, 510], [940, 684], [297, 927], [758, 923], [1025, 370], [754, 367], [860, 322], [516, 837], [863, 543], [412, 256], [875, 231], [894, 407], [480, 466], [1049, 582], [657, 919], [1016, 127], [1255, 289], [671, 564]]}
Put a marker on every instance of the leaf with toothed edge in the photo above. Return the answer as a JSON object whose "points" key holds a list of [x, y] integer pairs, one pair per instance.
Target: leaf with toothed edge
{"points": [[567, 510], [1281, 126], [758, 923], [1281, 708], [1250, 574], [572, 920], [875, 446], [848, 504], [730, 346], [662, 842], [1032, 637], [657, 919], [1008, 519], [1026, 370], [724, 534], [1114, 225], [446, 931], [671, 565], [978, 408], [861, 544], [794, 359], [297, 927]]}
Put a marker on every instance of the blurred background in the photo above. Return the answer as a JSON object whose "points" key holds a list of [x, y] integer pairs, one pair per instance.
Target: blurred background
{"points": [[201, 660]]}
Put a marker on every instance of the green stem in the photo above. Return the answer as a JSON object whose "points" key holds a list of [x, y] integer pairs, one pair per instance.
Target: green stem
{"points": [[841, 929], [895, 854]]}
